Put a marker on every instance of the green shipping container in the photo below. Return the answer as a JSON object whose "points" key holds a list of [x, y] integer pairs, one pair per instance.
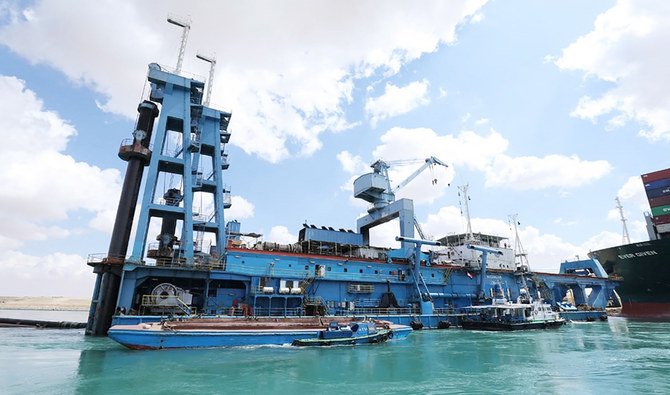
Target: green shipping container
{"points": [[662, 210]]}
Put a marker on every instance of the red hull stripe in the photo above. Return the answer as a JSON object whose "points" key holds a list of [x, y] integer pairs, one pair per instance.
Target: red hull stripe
{"points": [[645, 309]]}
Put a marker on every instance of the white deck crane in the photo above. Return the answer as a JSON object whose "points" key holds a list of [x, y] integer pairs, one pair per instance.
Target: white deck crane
{"points": [[376, 187], [430, 162]]}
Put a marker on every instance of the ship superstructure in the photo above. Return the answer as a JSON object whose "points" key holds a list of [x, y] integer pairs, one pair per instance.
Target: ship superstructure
{"points": [[171, 270]]}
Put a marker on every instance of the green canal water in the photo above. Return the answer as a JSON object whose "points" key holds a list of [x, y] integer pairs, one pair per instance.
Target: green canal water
{"points": [[619, 356]]}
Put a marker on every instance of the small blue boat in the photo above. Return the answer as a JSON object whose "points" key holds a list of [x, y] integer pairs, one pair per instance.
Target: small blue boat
{"points": [[356, 333], [230, 332]]}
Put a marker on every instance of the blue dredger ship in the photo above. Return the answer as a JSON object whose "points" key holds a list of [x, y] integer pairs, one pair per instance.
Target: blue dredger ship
{"points": [[326, 272]]}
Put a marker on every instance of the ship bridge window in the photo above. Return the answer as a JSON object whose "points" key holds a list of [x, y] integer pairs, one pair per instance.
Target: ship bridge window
{"points": [[360, 270], [306, 267], [346, 269]]}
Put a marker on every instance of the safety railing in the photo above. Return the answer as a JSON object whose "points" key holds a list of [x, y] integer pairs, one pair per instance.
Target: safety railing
{"points": [[377, 311], [276, 312], [198, 262], [131, 141], [167, 302], [299, 274], [102, 257]]}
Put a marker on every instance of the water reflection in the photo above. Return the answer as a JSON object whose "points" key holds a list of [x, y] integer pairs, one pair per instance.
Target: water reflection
{"points": [[581, 358]]}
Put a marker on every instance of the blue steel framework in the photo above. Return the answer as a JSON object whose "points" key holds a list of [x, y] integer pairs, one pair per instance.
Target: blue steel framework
{"points": [[203, 136]]}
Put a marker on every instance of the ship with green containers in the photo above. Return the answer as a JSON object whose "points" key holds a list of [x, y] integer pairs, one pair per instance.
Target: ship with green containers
{"points": [[645, 266]]}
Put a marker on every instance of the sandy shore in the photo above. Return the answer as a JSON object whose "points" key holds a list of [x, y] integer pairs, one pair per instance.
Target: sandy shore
{"points": [[43, 303]]}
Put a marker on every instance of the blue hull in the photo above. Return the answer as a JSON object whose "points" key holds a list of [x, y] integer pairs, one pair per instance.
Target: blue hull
{"points": [[137, 338], [401, 333], [156, 340]]}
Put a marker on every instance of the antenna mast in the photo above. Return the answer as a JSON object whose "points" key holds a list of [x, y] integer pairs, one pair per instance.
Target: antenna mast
{"points": [[466, 198], [210, 82], [626, 237], [519, 252], [186, 27]]}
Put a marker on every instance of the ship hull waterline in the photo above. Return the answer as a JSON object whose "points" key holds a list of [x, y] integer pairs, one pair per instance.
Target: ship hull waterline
{"points": [[644, 267], [500, 326]]}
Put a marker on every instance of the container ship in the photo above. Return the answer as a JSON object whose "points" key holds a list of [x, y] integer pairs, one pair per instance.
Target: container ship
{"points": [[188, 259], [645, 267]]}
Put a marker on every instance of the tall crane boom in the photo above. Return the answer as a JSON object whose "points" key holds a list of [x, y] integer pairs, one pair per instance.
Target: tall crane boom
{"points": [[186, 27], [429, 162], [212, 65]]}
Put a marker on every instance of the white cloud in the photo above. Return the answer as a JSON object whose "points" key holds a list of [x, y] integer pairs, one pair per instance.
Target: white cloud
{"points": [[632, 193], [354, 166], [281, 234], [50, 275], [104, 220], [286, 73], [547, 251], [447, 220], [531, 172], [465, 149], [397, 100], [240, 209], [486, 153], [603, 240], [384, 235], [565, 222], [634, 203], [9, 243], [624, 49], [46, 185]]}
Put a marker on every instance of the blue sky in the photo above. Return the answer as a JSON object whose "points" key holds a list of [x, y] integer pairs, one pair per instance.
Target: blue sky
{"points": [[548, 110]]}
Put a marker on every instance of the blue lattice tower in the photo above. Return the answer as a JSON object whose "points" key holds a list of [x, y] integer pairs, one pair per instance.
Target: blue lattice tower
{"points": [[203, 132]]}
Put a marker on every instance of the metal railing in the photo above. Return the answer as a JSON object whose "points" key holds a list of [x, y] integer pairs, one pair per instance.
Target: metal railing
{"points": [[378, 311], [167, 302], [102, 257], [177, 261], [275, 312], [131, 141], [302, 274], [182, 73], [317, 301], [360, 288]]}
